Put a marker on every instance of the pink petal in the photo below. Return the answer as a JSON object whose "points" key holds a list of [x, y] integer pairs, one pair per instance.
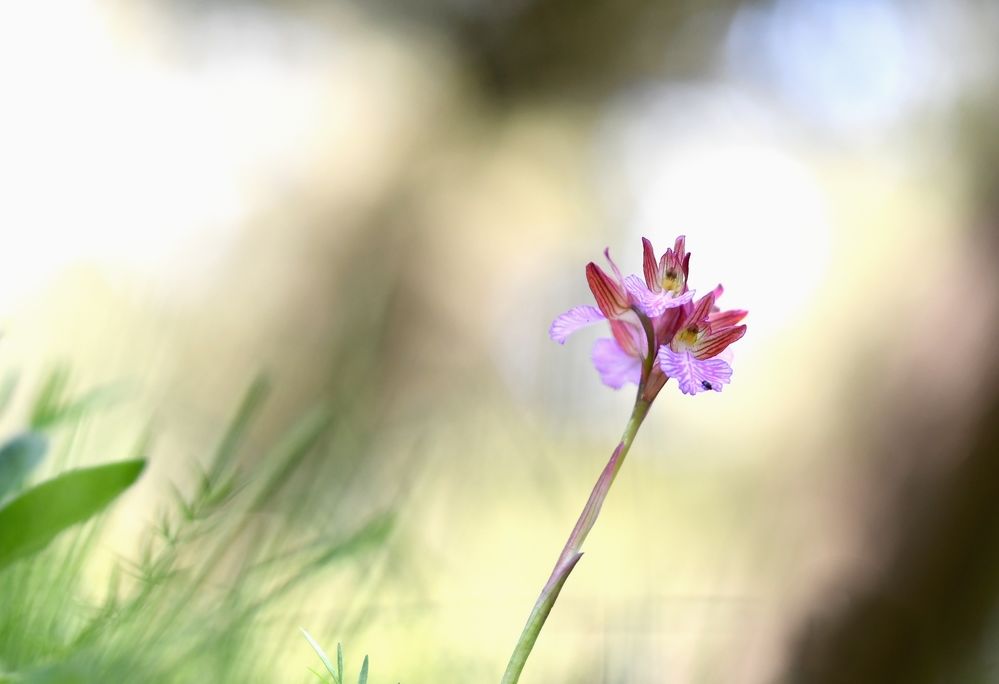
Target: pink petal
{"points": [[726, 319], [700, 312], [615, 366], [630, 337], [654, 303], [694, 375], [680, 247], [715, 343], [612, 300], [617, 271], [572, 320], [649, 266]]}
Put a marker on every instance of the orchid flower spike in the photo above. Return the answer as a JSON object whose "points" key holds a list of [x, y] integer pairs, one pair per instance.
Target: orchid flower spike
{"points": [[689, 337], [618, 359], [665, 284], [650, 316], [657, 332], [691, 355]]}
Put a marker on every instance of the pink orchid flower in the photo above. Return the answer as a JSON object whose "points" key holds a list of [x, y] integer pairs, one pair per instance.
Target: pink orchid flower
{"points": [[689, 336], [691, 356], [665, 284], [618, 359]]}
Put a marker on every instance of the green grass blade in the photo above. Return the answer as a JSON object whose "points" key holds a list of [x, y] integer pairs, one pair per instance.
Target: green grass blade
{"points": [[252, 401], [327, 663], [53, 405], [373, 534], [46, 406], [34, 518], [363, 679], [339, 662], [290, 452]]}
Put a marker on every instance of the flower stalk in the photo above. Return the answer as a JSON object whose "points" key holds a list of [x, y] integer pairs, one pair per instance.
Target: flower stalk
{"points": [[571, 552], [658, 332]]}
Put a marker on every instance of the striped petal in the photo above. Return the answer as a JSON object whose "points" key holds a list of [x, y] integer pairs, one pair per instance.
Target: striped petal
{"points": [[573, 320], [611, 298], [654, 303], [700, 312], [725, 319], [649, 266], [692, 374], [714, 344]]}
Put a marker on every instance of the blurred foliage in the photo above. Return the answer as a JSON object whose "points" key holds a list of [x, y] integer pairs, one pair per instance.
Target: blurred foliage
{"points": [[52, 405], [204, 593], [18, 457]]}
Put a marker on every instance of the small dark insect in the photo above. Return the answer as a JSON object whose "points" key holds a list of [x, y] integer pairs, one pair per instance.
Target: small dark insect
{"points": [[706, 385]]}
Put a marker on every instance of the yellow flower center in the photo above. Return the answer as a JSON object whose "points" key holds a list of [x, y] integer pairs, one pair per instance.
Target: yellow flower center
{"points": [[686, 338], [672, 281]]}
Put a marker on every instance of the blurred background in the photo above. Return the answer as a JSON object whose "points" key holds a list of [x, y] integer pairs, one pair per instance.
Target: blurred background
{"points": [[379, 206]]}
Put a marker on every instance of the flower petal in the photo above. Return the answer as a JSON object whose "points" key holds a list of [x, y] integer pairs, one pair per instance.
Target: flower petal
{"points": [[720, 320], [649, 266], [612, 300], [681, 255], [616, 367], [572, 320], [699, 313], [694, 375], [617, 271], [715, 343], [654, 303], [630, 337], [680, 247]]}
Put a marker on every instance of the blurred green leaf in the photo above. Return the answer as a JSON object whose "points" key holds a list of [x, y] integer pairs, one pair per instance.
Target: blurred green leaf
{"points": [[290, 452], [252, 401], [18, 457], [50, 397], [53, 406], [363, 679], [33, 519], [7, 387], [372, 534]]}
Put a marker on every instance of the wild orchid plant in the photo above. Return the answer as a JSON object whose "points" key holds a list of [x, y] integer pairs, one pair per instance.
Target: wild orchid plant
{"points": [[659, 331]]}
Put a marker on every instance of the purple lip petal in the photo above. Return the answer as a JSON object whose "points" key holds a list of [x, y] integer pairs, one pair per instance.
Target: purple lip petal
{"points": [[654, 303], [692, 374], [572, 320], [616, 367]]}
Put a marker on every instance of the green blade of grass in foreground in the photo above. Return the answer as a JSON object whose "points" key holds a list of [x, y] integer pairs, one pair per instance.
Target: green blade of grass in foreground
{"points": [[363, 679], [327, 663], [33, 519], [337, 674], [339, 662]]}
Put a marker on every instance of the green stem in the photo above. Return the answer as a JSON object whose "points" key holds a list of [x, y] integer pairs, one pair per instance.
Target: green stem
{"points": [[571, 552]]}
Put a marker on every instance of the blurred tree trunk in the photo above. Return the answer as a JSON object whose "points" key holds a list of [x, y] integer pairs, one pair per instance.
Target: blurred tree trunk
{"points": [[928, 613]]}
